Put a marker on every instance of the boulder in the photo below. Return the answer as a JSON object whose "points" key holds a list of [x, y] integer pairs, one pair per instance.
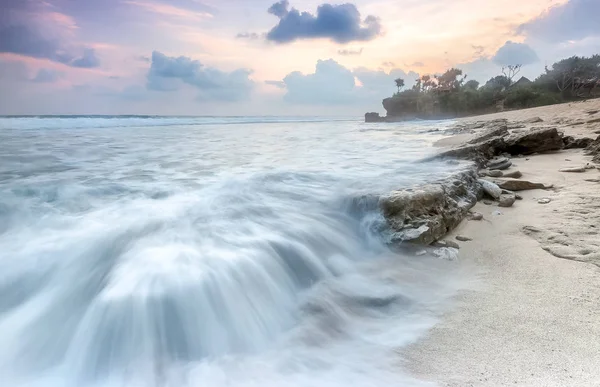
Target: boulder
{"points": [[476, 216], [374, 117], [495, 173], [506, 200], [513, 174], [574, 143], [534, 141], [519, 185], [500, 166], [490, 189], [425, 214]]}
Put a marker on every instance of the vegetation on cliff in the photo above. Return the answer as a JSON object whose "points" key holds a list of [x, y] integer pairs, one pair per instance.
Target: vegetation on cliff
{"points": [[450, 94]]}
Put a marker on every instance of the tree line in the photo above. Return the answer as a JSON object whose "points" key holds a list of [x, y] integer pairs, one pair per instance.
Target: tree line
{"points": [[451, 94]]}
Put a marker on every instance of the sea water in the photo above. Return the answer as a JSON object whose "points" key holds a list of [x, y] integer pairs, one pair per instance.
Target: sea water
{"points": [[210, 251]]}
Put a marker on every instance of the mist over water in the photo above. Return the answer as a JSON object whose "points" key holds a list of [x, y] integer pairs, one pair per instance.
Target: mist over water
{"points": [[149, 251]]}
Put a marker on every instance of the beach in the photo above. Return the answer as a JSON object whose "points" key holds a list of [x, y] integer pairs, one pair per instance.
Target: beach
{"points": [[532, 317]]}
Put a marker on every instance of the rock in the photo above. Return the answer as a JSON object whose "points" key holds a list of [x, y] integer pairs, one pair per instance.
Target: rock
{"points": [[495, 173], [594, 150], [519, 185], [446, 243], [497, 213], [496, 161], [476, 216], [446, 253], [500, 166], [488, 202], [534, 141], [463, 238], [374, 117], [490, 188], [593, 121], [574, 143], [498, 129], [589, 166], [513, 174], [533, 120], [592, 112], [427, 213], [421, 253], [479, 152], [574, 170], [544, 201], [506, 200]]}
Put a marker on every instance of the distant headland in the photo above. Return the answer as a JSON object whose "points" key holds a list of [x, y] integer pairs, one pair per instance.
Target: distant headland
{"points": [[451, 95]]}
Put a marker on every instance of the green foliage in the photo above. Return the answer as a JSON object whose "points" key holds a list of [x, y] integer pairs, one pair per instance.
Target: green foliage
{"points": [[449, 94]]}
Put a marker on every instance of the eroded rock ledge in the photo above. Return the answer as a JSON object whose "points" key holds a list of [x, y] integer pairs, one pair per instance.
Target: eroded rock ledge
{"points": [[426, 214]]}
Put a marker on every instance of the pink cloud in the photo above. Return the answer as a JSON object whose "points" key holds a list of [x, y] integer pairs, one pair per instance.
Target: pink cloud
{"points": [[169, 10]]}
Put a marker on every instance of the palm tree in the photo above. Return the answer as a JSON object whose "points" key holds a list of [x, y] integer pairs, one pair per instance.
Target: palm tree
{"points": [[399, 83]]}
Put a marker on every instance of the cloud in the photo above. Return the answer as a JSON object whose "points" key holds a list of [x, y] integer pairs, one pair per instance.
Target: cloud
{"points": [[35, 32], [248, 35], [334, 84], [168, 73], [340, 23], [478, 50], [515, 53], [417, 64], [87, 61], [278, 84], [142, 58], [574, 20], [350, 52], [169, 10], [388, 64], [47, 76]]}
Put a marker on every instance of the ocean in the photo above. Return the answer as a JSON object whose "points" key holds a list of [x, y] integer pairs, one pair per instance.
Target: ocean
{"points": [[211, 251]]}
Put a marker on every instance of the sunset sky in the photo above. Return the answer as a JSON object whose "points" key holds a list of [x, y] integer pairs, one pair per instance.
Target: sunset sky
{"points": [[254, 57]]}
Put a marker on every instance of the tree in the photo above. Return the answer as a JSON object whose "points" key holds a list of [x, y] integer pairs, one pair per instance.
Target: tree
{"points": [[399, 83], [451, 80], [510, 72], [472, 85]]}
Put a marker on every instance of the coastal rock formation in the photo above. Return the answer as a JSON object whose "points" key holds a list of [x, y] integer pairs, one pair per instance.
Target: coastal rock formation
{"points": [[479, 152], [497, 129], [594, 150], [573, 143], [534, 141], [427, 213], [374, 117]]}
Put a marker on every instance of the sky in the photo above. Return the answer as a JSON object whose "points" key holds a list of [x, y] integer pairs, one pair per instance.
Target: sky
{"points": [[255, 57]]}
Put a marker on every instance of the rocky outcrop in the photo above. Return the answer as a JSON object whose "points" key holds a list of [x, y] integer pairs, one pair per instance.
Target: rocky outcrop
{"points": [[571, 142], [534, 141], [425, 214], [497, 129], [594, 150], [479, 152], [374, 117]]}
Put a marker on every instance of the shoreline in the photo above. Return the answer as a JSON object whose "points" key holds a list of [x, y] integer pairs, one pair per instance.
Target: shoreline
{"points": [[536, 319]]}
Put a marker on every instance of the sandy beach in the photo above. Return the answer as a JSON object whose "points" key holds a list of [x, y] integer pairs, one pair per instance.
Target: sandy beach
{"points": [[534, 318]]}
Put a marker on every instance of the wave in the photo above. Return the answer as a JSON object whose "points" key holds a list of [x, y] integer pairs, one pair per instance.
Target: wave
{"points": [[192, 259], [126, 121]]}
